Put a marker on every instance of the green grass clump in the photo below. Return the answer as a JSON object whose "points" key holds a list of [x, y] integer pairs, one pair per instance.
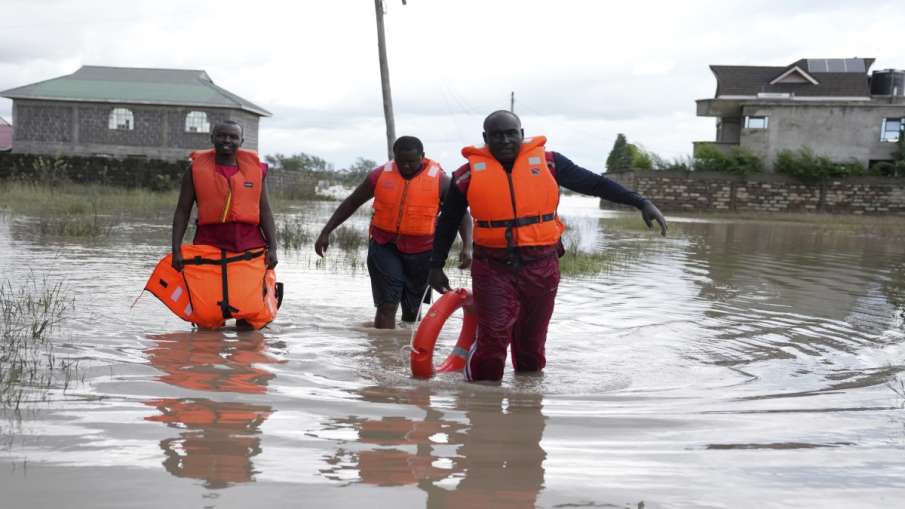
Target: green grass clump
{"points": [[576, 262], [348, 239], [293, 234], [28, 365], [74, 227]]}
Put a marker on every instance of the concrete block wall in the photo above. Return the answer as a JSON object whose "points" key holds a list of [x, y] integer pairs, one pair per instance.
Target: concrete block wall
{"points": [[39, 122], [674, 191]]}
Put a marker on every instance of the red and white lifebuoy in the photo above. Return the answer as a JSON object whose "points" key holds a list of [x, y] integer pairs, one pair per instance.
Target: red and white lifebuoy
{"points": [[422, 356]]}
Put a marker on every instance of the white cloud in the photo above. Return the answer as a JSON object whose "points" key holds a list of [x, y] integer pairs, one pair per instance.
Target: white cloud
{"points": [[582, 71]]}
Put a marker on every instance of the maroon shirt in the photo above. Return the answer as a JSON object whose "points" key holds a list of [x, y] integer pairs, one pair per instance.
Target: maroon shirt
{"points": [[404, 243], [231, 236]]}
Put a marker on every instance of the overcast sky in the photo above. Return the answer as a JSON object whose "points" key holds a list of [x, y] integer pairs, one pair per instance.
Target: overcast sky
{"points": [[582, 70]]}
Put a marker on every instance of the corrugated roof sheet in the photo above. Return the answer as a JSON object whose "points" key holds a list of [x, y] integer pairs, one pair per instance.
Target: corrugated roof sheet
{"points": [[752, 80], [175, 87]]}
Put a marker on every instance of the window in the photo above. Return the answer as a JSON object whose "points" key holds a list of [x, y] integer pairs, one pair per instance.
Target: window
{"points": [[755, 122], [121, 119], [891, 129], [196, 122]]}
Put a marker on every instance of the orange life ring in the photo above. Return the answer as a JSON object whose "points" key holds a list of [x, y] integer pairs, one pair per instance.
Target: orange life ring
{"points": [[422, 356]]}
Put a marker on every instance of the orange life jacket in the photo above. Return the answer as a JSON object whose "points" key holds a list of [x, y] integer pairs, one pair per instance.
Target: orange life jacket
{"points": [[221, 200], [407, 206], [215, 285], [522, 207]]}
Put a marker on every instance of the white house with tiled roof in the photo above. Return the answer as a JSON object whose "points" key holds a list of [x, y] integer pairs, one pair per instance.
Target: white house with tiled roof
{"points": [[830, 105], [126, 112]]}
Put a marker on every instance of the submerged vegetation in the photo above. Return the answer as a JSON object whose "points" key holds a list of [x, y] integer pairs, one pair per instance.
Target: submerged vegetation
{"points": [[29, 367], [348, 238], [292, 233]]}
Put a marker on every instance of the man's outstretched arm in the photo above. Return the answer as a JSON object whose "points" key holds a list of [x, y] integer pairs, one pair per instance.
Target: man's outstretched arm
{"points": [[574, 177]]}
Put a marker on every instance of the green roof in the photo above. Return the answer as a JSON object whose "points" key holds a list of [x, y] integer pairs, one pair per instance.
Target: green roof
{"points": [[173, 87]]}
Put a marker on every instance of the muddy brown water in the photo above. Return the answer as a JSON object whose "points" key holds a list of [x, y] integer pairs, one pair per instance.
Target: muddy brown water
{"points": [[735, 363]]}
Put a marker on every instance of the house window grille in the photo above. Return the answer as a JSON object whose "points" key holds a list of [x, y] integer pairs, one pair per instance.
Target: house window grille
{"points": [[196, 122], [891, 130], [752, 122], [121, 119]]}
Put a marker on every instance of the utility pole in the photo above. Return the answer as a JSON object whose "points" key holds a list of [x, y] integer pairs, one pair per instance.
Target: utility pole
{"points": [[511, 102], [385, 79]]}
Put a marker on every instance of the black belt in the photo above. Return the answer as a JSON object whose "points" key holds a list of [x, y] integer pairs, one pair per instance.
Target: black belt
{"points": [[515, 223]]}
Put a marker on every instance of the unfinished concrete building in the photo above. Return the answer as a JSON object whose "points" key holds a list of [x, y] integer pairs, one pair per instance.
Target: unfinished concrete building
{"points": [[126, 112], [832, 106]]}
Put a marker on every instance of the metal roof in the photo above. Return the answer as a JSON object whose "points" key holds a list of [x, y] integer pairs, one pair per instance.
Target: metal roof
{"points": [[173, 87], [739, 80]]}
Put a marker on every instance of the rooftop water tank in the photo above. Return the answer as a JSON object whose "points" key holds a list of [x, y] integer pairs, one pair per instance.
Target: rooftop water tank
{"points": [[888, 82]]}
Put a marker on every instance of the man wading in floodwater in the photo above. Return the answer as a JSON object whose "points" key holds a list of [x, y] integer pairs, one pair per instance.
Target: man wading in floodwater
{"points": [[407, 193], [512, 186], [233, 210]]}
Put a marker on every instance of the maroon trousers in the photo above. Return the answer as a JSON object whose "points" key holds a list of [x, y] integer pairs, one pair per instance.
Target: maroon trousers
{"points": [[514, 306]]}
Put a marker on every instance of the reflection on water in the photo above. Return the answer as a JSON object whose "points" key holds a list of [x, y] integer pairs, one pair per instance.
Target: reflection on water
{"points": [[211, 361], [218, 441], [486, 455], [219, 437], [734, 363]]}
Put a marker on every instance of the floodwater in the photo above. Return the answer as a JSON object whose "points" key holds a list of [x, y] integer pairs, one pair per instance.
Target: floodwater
{"points": [[732, 364]]}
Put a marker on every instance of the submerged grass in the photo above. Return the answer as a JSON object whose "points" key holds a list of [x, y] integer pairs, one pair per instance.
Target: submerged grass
{"points": [[348, 238], [29, 367], [292, 234], [576, 262]]}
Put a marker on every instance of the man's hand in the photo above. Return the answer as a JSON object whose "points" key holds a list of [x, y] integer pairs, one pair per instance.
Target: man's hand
{"points": [[177, 261], [271, 257], [464, 258], [438, 280], [322, 243], [650, 213]]}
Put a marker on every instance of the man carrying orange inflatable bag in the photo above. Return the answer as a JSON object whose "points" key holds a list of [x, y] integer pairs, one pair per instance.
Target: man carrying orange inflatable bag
{"points": [[228, 271]]}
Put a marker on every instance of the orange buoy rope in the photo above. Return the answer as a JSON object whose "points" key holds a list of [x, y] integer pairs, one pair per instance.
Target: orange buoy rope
{"points": [[422, 355]]}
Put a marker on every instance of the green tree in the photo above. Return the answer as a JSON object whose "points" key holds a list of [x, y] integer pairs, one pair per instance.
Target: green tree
{"points": [[357, 171], [737, 161], [299, 162], [620, 157]]}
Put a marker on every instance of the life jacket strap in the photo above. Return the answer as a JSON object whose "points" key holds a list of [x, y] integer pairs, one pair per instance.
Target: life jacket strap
{"points": [[247, 255], [515, 223]]}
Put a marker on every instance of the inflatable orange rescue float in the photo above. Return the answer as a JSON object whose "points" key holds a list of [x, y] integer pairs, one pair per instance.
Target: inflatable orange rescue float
{"points": [[422, 356], [216, 285]]}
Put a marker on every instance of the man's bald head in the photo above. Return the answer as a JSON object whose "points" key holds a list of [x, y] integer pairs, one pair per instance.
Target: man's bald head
{"points": [[500, 115], [503, 135]]}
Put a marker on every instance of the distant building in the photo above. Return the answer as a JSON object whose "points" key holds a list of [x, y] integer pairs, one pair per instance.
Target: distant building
{"points": [[126, 112], [6, 135], [829, 105]]}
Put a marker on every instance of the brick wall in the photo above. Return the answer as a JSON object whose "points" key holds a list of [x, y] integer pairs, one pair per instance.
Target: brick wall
{"points": [[713, 192]]}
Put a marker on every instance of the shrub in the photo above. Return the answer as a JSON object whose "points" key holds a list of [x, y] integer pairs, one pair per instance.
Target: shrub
{"points": [[737, 162], [806, 165], [129, 173]]}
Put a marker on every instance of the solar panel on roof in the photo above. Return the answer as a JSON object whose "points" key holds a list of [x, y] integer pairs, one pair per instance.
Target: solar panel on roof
{"points": [[816, 65], [835, 65], [853, 65]]}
